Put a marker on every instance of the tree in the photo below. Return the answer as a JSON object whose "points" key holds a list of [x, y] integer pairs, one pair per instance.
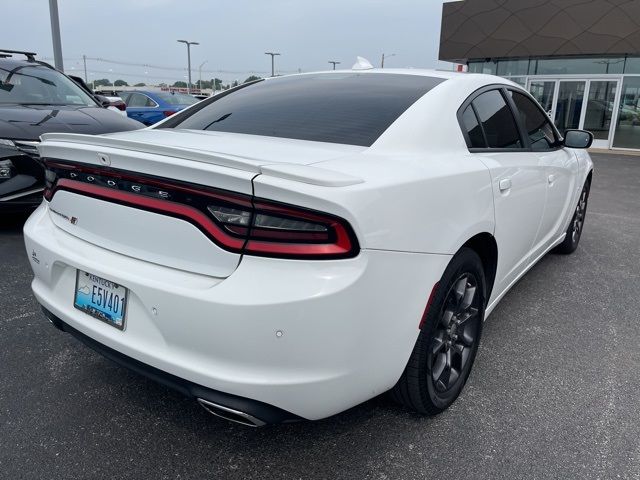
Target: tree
{"points": [[235, 83], [120, 83], [180, 84], [103, 82], [140, 84], [252, 78], [217, 84]]}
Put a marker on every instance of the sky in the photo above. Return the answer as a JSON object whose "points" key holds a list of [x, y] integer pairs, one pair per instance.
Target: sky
{"points": [[233, 35]]}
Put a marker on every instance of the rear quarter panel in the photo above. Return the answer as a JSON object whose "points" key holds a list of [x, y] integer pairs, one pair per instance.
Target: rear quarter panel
{"points": [[422, 191], [412, 203]]}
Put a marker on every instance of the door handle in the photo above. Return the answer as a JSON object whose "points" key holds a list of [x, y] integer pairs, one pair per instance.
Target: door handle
{"points": [[505, 184], [551, 178]]}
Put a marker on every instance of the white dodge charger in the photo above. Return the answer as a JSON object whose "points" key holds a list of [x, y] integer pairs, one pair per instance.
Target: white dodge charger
{"points": [[295, 246]]}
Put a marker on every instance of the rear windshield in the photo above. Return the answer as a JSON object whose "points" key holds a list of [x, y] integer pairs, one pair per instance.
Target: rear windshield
{"points": [[176, 98], [348, 108]]}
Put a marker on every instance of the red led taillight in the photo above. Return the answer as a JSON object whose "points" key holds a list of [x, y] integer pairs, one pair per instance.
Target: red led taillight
{"points": [[235, 222], [325, 235]]}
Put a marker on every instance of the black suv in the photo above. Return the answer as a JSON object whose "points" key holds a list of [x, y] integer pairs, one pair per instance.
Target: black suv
{"points": [[35, 98]]}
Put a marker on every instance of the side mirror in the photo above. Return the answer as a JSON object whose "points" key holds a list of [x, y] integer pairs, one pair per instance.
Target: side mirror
{"points": [[578, 139], [104, 101], [81, 83]]}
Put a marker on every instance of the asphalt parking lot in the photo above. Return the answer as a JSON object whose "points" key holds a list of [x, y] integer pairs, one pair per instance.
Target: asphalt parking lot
{"points": [[555, 391]]}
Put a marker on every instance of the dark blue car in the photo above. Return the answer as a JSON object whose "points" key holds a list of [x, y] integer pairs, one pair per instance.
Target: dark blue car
{"points": [[150, 107]]}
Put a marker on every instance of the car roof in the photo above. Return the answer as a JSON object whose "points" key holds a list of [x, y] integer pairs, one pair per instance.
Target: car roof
{"points": [[149, 93], [462, 78], [424, 72], [11, 63]]}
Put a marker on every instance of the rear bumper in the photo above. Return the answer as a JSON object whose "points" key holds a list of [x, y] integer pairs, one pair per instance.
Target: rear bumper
{"points": [[267, 413], [310, 338]]}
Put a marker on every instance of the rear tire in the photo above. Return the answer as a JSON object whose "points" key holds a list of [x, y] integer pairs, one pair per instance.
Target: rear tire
{"points": [[574, 230], [447, 344]]}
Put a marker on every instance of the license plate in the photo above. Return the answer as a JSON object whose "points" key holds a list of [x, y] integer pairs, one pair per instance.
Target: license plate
{"points": [[101, 298]]}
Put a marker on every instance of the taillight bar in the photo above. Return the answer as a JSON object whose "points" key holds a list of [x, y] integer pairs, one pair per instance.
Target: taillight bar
{"points": [[185, 212], [342, 237], [235, 222]]}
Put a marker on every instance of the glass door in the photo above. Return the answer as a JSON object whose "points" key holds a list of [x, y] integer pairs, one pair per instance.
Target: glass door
{"points": [[627, 132], [568, 105], [590, 104], [544, 92], [598, 113]]}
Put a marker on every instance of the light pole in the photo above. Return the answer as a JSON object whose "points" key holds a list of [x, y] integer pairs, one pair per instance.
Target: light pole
{"points": [[84, 59], [273, 55], [55, 34], [334, 63], [188, 44], [200, 74], [386, 56]]}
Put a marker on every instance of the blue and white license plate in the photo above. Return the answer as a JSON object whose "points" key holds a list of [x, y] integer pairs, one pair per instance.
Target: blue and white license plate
{"points": [[101, 298]]}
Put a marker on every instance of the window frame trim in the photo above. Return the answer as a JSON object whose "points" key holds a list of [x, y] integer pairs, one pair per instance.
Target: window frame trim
{"points": [[524, 136], [523, 127], [155, 104]]}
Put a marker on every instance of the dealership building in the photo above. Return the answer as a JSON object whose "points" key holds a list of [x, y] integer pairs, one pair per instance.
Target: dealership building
{"points": [[579, 58]]}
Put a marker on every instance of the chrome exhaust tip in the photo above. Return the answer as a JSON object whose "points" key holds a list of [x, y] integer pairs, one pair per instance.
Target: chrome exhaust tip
{"points": [[230, 414]]}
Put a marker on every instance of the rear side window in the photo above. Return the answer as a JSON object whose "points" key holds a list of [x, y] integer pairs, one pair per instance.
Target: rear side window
{"points": [[536, 123], [177, 98], [472, 127], [497, 121], [139, 100], [348, 108]]}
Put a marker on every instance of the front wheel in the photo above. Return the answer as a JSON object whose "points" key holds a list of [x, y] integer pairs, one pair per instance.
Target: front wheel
{"points": [[574, 231], [447, 344]]}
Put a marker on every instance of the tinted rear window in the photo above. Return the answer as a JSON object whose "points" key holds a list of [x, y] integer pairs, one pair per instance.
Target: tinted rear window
{"points": [[176, 98], [473, 129], [497, 120], [349, 108]]}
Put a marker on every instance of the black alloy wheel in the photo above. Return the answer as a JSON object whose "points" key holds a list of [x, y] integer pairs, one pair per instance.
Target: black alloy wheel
{"points": [[456, 334], [443, 355], [578, 218], [575, 228]]}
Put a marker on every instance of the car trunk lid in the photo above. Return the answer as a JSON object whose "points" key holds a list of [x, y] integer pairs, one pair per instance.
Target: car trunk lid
{"points": [[97, 211]]}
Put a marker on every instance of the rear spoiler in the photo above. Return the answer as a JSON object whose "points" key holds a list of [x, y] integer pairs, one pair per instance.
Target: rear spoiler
{"points": [[311, 175], [297, 173]]}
